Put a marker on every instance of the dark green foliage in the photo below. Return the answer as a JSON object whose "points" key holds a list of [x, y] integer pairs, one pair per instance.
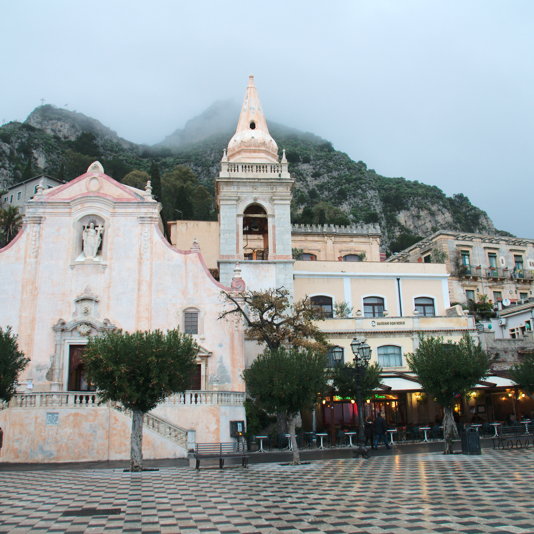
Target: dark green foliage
{"points": [[345, 382], [370, 217], [61, 173], [12, 363], [404, 241], [115, 168], [86, 144], [137, 179], [257, 418], [321, 216], [10, 223], [28, 171], [286, 380], [448, 370], [155, 180], [307, 216], [523, 373], [139, 370]]}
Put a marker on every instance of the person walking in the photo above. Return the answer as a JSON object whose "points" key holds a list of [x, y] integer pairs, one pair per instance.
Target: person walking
{"points": [[368, 431], [380, 431]]}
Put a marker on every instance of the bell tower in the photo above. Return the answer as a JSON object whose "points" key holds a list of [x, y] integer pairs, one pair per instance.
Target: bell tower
{"points": [[253, 194]]}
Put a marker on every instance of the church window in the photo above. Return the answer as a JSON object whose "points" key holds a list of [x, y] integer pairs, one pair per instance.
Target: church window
{"points": [[252, 125], [191, 322]]}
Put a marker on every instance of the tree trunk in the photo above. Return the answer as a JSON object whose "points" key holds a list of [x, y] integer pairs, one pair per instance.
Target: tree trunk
{"points": [[293, 438], [136, 441], [281, 423], [449, 429]]}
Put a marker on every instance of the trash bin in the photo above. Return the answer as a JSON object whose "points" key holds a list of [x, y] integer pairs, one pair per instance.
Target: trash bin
{"points": [[470, 441]]}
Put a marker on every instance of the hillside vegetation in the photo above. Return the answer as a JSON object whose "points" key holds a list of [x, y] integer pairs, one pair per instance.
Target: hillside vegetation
{"points": [[329, 186]]}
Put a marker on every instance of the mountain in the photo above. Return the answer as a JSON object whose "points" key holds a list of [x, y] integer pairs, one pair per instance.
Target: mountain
{"points": [[329, 186]]}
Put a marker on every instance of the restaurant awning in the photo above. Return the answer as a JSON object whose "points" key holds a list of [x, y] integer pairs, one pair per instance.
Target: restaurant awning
{"points": [[407, 382]]}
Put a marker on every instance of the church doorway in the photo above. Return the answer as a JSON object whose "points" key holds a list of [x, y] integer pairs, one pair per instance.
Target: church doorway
{"points": [[255, 233], [77, 375]]}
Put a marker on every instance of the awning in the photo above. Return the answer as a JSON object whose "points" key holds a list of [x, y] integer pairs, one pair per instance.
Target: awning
{"points": [[398, 383]]}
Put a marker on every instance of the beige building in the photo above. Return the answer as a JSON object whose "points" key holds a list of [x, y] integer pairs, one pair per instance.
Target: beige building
{"points": [[21, 193], [500, 267]]}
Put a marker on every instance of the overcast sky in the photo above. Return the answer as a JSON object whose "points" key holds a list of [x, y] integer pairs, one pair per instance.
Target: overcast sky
{"points": [[435, 91]]}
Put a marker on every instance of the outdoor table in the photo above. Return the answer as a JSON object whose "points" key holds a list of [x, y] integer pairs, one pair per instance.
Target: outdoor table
{"points": [[425, 429], [526, 422], [322, 436], [350, 434], [261, 438], [496, 427], [391, 432], [477, 426]]}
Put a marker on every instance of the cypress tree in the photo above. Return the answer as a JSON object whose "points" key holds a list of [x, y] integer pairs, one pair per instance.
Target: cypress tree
{"points": [[61, 174], [155, 180]]}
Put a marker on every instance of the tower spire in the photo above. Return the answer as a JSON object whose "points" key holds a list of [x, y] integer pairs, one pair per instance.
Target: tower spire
{"points": [[252, 142]]}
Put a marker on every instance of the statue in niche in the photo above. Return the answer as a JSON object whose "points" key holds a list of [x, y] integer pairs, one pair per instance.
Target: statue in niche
{"points": [[92, 237]]}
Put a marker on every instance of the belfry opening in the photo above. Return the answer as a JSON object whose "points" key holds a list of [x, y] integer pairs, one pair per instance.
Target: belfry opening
{"points": [[255, 233]]}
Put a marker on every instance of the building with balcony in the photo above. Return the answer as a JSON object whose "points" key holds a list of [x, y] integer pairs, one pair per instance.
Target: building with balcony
{"points": [[502, 268]]}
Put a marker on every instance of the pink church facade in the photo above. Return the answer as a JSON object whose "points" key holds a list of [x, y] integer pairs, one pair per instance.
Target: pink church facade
{"points": [[92, 257]]}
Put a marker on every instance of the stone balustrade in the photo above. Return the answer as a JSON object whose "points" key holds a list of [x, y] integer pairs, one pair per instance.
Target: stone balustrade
{"points": [[254, 168], [70, 399]]}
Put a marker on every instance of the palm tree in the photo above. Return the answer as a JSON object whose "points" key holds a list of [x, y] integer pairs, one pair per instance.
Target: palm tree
{"points": [[10, 223]]}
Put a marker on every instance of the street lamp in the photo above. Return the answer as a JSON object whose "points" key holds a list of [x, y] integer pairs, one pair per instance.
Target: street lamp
{"points": [[362, 355], [337, 356]]}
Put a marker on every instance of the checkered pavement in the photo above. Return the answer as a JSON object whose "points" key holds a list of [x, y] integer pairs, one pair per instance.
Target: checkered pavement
{"points": [[423, 493]]}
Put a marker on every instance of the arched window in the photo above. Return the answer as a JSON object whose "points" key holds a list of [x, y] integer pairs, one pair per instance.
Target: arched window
{"points": [[191, 321], [336, 356], [389, 356], [324, 304], [306, 256], [373, 307], [255, 233], [352, 257], [425, 306]]}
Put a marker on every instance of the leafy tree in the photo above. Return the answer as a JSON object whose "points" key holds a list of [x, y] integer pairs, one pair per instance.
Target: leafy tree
{"points": [[139, 370], [346, 382], [447, 371], [307, 216], [155, 180], [76, 164], [137, 179], [177, 191], [287, 381], [183, 203], [271, 319], [12, 363], [342, 309], [523, 374], [438, 255], [201, 204], [10, 223]]}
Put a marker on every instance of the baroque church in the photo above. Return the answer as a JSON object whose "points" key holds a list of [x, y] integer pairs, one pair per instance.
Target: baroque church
{"points": [[93, 255]]}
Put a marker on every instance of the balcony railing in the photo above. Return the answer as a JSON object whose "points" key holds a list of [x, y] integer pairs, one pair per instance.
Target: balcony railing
{"points": [[521, 274], [468, 270], [494, 272]]}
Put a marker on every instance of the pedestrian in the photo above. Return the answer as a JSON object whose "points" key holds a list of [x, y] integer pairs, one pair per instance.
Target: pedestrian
{"points": [[380, 431], [368, 431]]}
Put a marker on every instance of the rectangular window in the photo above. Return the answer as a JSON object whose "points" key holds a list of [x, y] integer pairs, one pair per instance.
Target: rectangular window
{"points": [[492, 260], [497, 296], [518, 261], [523, 296], [466, 260], [428, 258], [191, 323], [18, 195], [11, 200], [470, 294], [389, 356]]}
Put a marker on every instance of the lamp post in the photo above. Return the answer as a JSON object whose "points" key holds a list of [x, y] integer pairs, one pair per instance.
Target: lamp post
{"points": [[337, 356], [362, 355]]}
